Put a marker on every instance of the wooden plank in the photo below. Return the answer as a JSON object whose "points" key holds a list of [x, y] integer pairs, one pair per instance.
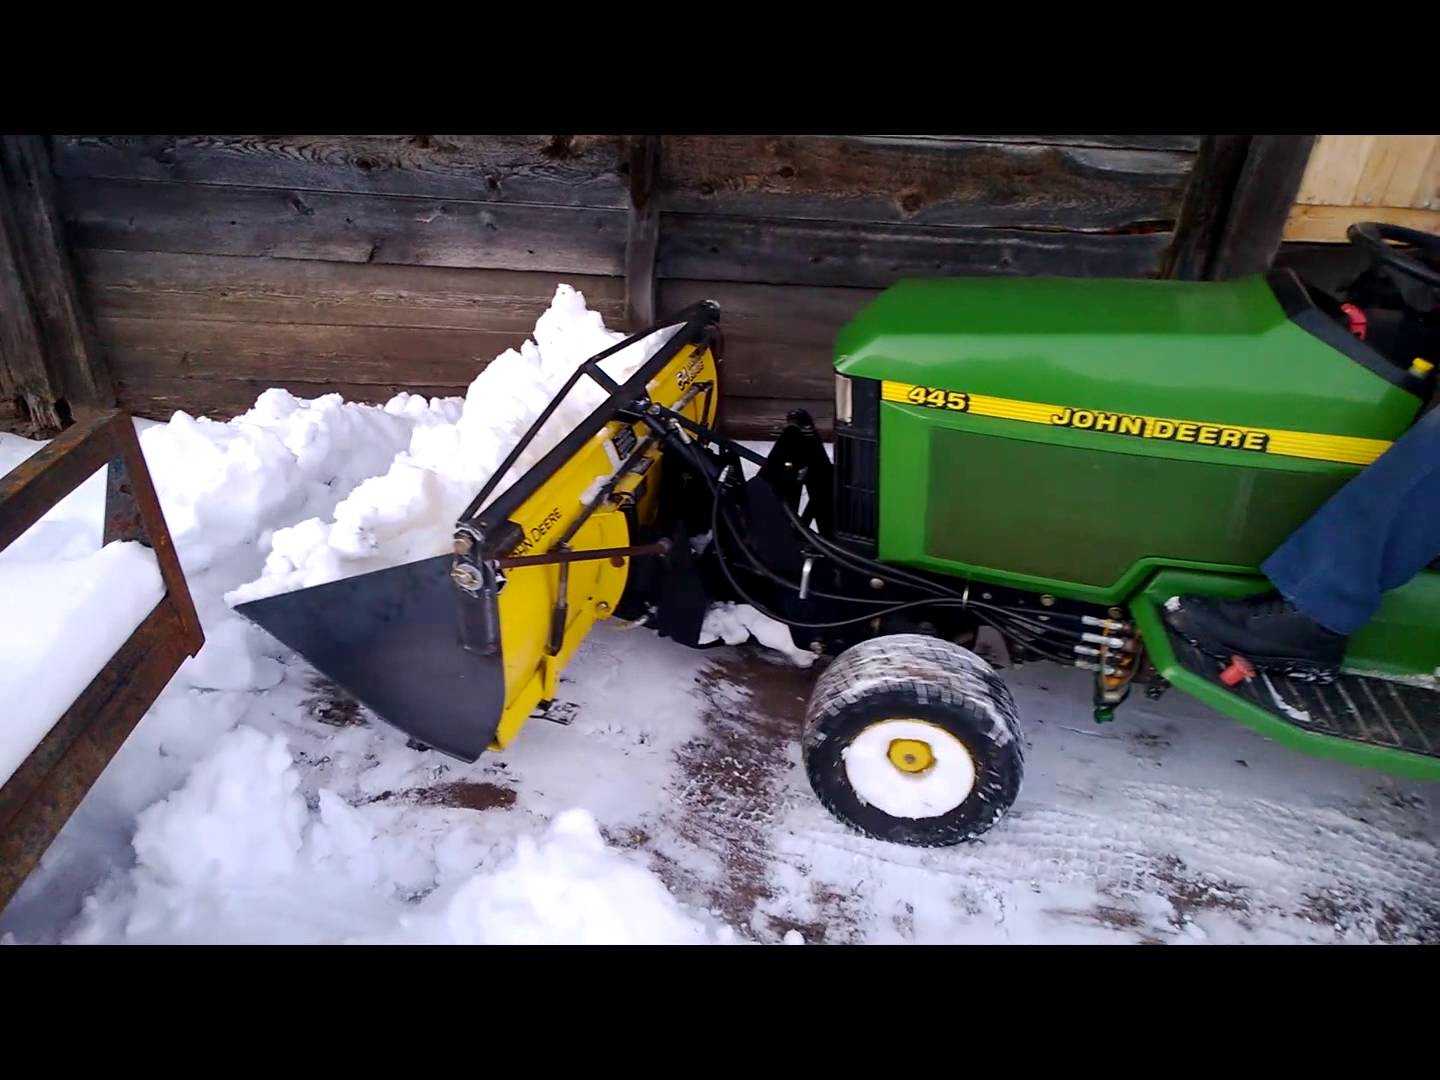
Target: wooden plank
{"points": [[562, 170], [778, 343], [1263, 198], [1327, 224], [225, 288], [197, 350], [779, 340], [62, 320], [1208, 194], [741, 417], [568, 170], [1334, 169], [786, 315], [160, 397], [764, 418], [1181, 143], [1427, 190], [857, 178], [643, 233], [781, 251], [778, 347], [1394, 170], [128, 215], [26, 377]]}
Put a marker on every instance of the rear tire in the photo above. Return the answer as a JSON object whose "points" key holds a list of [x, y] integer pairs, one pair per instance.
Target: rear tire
{"points": [[913, 740]]}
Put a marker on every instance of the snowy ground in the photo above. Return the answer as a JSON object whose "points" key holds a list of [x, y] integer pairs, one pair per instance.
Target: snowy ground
{"points": [[254, 803]]}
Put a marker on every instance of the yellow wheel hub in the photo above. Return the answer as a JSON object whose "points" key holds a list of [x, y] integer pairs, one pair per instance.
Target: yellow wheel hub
{"points": [[911, 755]]}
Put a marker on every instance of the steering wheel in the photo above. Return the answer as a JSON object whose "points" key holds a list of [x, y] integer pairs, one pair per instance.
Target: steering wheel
{"points": [[1371, 237]]}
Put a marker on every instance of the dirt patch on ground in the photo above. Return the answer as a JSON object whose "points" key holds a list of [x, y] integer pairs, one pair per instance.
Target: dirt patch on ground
{"points": [[904, 921], [1190, 893], [1348, 911], [1153, 741], [467, 795], [1124, 920], [1401, 800], [460, 794], [727, 793], [838, 917], [1117, 917], [631, 837], [327, 704]]}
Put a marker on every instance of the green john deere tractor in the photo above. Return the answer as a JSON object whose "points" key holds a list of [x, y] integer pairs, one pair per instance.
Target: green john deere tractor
{"points": [[1052, 458]]}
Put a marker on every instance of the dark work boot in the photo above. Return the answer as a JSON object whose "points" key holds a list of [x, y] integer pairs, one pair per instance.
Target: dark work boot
{"points": [[1268, 631]]}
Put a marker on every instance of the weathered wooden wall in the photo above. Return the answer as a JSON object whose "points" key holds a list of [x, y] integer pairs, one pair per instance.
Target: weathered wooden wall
{"points": [[215, 266], [1350, 178], [51, 369]]}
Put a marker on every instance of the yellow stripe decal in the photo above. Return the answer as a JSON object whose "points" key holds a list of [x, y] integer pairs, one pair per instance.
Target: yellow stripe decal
{"points": [[1304, 444]]}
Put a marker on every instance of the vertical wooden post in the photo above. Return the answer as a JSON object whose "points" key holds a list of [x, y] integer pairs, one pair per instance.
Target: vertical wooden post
{"points": [[24, 375], [643, 234], [1236, 205], [1218, 163], [51, 361], [1264, 194]]}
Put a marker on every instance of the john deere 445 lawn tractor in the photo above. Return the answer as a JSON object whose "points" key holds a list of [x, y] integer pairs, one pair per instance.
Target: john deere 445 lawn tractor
{"points": [[1053, 458]]}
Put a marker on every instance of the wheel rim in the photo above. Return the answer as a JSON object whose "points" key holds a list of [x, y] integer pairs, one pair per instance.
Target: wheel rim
{"points": [[909, 768], [911, 755]]}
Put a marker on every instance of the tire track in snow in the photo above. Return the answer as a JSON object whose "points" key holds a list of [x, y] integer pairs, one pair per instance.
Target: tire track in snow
{"points": [[1200, 853]]}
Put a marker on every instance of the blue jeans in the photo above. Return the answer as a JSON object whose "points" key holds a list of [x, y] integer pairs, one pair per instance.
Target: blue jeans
{"points": [[1373, 535]]}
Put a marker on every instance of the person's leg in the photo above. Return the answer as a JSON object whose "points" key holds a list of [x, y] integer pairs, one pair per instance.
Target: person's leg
{"points": [[1373, 535]]}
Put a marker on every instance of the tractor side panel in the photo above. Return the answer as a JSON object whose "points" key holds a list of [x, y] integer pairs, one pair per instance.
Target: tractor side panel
{"points": [[1404, 636], [1068, 436], [1061, 513]]}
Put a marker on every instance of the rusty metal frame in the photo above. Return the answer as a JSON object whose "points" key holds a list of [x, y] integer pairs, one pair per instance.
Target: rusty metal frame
{"points": [[49, 785]]}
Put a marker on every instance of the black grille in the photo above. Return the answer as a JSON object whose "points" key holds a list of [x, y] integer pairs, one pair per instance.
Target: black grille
{"points": [[857, 469]]}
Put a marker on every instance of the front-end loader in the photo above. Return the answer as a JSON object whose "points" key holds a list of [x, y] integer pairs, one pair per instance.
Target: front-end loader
{"points": [[1051, 458]]}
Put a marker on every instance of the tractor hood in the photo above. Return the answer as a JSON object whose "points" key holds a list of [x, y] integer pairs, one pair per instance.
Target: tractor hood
{"points": [[1255, 351]]}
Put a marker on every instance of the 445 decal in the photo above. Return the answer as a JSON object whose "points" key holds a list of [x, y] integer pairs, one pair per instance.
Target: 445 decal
{"points": [[935, 398], [1318, 446]]}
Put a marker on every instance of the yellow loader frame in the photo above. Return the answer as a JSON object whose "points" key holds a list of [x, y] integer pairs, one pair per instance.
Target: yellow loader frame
{"points": [[458, 650], [594, 587]]}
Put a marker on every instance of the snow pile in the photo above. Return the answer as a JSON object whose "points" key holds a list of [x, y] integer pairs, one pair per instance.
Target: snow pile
{"points": [[224, 487], [226, 484], [237, 852], [408, 512], [238, 839], [71, 528], [236, 824], [735, 623], [65, 619], [568, 888]]}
